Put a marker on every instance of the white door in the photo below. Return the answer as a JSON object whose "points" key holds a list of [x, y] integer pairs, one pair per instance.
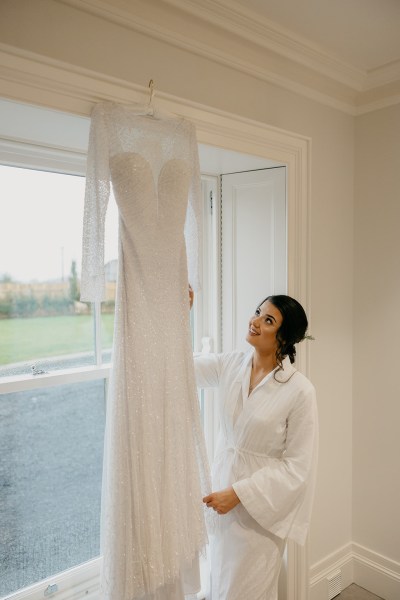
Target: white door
{"points": [[253, 226]]}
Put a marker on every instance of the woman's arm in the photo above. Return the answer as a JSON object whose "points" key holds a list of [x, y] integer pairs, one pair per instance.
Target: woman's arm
{"points": [[207, 367], [223, 501]]}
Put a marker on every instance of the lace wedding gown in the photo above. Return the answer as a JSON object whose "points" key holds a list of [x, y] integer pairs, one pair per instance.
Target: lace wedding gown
{"points": [[155, 466]]}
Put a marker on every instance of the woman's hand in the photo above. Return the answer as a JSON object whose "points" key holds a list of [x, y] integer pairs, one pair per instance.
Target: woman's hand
{"points": [[222, 502], [191, 296]]}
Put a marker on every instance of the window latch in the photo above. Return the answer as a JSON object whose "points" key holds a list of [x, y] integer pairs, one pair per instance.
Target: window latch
{"points": [[51, 589], [36, 371]]}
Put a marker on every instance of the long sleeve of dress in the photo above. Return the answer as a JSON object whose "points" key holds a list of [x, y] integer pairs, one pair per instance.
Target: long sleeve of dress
{"points": [[194, 217], [96, 199], [278, 496]]}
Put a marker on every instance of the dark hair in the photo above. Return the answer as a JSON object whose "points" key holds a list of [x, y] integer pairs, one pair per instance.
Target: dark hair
{"points": [[293, 328]]}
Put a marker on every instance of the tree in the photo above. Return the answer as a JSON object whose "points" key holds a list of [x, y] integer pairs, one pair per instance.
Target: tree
{"points": [[73, 283]]}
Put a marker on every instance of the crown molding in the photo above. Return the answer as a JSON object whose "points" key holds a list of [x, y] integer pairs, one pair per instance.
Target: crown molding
{"points": [[247, 24], [324, 90], [384, 75], [39, 80], [278, 52], [255, 28], [368, 107], [306, 69]]}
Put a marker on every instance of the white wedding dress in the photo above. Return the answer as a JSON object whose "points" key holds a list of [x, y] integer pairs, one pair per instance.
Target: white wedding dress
{"points": [[155, 466]]}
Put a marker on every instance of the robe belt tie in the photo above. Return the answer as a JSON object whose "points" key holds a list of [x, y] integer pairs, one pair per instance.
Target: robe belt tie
{"points": [[238, 450]]}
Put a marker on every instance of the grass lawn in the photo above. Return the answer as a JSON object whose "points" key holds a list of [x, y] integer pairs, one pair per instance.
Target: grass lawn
{"points": [[41, 337]]}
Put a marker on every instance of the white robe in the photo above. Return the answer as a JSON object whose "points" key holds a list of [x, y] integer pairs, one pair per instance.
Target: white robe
{"points": [[267, 450]]}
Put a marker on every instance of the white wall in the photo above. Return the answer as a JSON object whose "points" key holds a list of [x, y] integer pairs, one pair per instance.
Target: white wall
{"points": [[376, 439], [63, 33]]}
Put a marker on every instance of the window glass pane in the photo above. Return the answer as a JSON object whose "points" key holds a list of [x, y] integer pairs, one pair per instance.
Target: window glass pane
{"points": [[51, 448], [42, 321]]}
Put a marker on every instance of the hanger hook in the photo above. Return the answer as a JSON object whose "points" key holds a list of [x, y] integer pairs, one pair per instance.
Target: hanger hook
{"points": [[151, 87]]}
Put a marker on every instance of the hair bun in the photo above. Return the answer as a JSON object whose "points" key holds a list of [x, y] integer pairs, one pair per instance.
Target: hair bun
{"points": [[291, 352]]}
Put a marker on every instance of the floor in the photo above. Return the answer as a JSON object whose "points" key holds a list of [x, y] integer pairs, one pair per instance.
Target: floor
{"points": [[355, 592]]}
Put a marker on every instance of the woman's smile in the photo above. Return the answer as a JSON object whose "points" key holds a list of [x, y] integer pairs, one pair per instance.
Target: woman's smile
{"points": [[252, 331], [263, 327]]}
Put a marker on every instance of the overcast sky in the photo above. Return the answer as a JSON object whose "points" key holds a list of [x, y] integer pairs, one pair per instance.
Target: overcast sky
{"points": [[41, 217]]}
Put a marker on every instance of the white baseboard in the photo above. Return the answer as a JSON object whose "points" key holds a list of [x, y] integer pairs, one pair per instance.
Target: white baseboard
{"points": [[341, 559], [357, 564], [376, 573]]}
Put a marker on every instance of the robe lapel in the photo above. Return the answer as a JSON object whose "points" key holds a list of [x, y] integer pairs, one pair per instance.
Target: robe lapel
{"points": [[241, 387], [248, 404]]}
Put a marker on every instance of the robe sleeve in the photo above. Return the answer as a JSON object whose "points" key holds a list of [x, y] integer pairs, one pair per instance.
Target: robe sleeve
{"points": [[207, 369], [97, 194], [279, 495], [194, 216]]}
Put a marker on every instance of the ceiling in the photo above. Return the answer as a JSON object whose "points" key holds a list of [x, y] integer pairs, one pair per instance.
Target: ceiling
{"points": [[362, 33]]}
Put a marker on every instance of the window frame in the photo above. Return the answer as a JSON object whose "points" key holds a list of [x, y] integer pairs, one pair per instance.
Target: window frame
{"points": [[14, 153], [84, 577]]}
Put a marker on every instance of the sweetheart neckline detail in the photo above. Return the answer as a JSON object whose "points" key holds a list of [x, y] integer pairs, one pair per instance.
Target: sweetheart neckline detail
{"points": [[149, 165]]}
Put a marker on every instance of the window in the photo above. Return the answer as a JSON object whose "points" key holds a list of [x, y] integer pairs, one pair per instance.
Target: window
{"points": [[54, 355], [53, 377], [43, 325]]}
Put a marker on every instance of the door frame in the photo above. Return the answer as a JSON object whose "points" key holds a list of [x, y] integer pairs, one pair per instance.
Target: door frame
{"points": [[39, 80]]}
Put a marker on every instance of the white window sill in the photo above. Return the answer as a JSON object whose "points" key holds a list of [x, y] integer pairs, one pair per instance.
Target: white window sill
{"points": [[20, 383], [80, 582]]}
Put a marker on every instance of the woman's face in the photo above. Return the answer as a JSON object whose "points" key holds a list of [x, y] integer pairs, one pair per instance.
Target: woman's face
{"points": [[263, 327]]}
